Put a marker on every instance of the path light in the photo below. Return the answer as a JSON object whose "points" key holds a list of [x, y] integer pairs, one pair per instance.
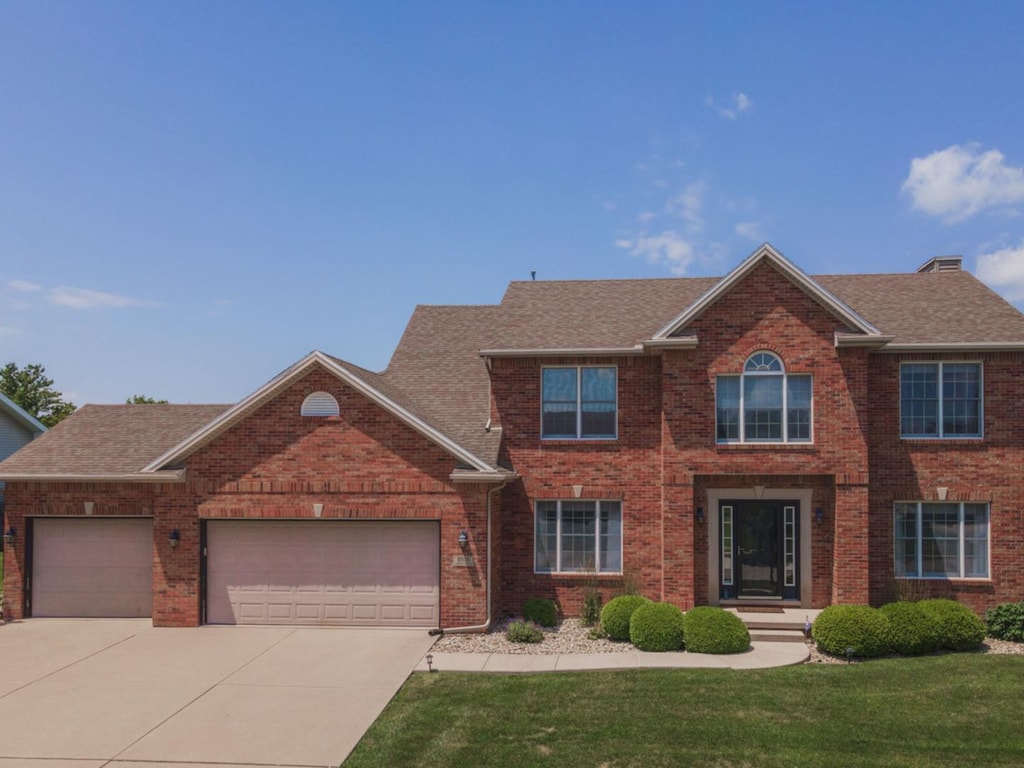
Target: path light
{"points": [[430, 662], [463, 539], [174, 538], [849, 655], [9, 535]]}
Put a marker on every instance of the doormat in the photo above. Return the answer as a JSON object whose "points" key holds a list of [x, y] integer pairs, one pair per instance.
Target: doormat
{"points": [[760, 609]]}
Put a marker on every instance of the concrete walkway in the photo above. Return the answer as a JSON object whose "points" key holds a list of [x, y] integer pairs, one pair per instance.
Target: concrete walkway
{"points": [[761, 655]]}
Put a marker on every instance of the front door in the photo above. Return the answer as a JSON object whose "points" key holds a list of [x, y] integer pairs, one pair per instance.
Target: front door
{"points": [[759, 550]]}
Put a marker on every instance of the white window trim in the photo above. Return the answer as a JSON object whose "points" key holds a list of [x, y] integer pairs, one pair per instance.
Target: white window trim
{"points": [[940, 435], [579, 403], [919, 541], [597, 538], [784, 374]]}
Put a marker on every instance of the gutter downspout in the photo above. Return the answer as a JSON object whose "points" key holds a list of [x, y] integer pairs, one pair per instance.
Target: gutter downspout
{"points": [[487, 624]]}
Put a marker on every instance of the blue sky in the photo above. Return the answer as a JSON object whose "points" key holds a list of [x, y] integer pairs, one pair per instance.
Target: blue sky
{"points": [[193, 195]]}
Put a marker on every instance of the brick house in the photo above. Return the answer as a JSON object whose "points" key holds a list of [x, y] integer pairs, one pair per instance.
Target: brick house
{"points": [[764, 436]]}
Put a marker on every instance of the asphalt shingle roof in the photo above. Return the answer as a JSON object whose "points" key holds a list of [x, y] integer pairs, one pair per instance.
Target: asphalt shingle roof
{"points": [[437, 373]]}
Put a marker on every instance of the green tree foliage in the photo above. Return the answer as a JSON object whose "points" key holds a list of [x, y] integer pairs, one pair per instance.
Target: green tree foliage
{"points": [[143, 400], [33, 391]]}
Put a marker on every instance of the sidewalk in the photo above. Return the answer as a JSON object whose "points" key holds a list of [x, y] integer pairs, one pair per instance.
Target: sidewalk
{"points": [[761, 655]]}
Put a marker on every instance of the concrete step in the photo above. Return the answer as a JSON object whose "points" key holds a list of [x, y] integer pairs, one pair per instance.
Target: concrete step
{"points": [[779, 623], [778, 636]]}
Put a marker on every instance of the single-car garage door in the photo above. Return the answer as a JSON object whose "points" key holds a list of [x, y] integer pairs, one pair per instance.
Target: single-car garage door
{"points": [[346, 573], [92, 567]]}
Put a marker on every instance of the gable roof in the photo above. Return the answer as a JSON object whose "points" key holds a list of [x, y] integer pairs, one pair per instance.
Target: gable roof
{"points": [[370, 385], [767, 254], [20, 415], [107, 442]]}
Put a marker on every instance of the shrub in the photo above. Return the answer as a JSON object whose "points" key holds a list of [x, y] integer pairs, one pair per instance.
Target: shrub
{"points": [[590, 612], [911, 630], [861, 628], [958, 626], [708, 629], [616, 614], [1006, 622], [524, 632], [657, 627], [539, 611]]}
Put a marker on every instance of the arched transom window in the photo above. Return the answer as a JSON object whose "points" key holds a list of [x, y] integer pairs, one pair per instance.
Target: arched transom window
{"points": [[763, 404]]}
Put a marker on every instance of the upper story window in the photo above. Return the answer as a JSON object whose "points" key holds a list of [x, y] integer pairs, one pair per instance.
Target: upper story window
{"points": [[579, 402], [940, 400], [764, 404]]}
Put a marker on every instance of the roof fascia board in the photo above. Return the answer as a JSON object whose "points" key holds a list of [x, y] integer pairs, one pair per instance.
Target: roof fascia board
{"points": [[567, 352], [464, 476], [674, 342], [264, 393], [871, 342], [163, 476], [767, 253], [956, 346], [20, 414]]}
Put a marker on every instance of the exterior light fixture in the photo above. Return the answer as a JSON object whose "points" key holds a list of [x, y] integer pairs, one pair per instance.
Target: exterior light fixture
{"points": [[174, 539], [700, 514], [463, 539], [430, 662], [819, 515], [9, 535]]}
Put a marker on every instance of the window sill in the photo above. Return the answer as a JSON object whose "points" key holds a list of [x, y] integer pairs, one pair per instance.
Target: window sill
{"points": [[579, 440], [580, 574], [932, 440], [766, 446], [955, 579]]}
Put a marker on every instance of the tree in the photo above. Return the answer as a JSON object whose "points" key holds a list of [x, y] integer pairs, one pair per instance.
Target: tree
{"points": [[143, 400], [33, 391]]}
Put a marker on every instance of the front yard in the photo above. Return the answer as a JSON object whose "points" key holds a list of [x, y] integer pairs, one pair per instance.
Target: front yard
{"points": [[957, 709]]}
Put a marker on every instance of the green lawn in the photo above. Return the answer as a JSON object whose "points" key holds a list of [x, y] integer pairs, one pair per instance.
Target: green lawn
{"points": [[952, 710]]}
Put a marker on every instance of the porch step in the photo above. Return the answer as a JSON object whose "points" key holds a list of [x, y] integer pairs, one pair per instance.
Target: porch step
{"points": [[781, 622], [778, 635]]}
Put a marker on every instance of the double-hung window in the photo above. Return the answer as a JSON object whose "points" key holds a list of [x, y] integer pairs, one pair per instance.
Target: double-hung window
{"points": [[764, 404], [939, 540], [578, 537], [579, 402], [940, 400]]}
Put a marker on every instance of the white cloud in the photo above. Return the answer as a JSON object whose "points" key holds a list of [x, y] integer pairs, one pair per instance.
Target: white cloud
{"points": [[1004, 270], [24, 286], [647, 216], [738, 104], [83, 298], [687, 206], [750, 230], [668, 248], [959, 181]]}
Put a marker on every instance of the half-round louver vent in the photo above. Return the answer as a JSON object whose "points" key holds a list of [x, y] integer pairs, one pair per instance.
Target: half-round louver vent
{"points": [[320, 404]]}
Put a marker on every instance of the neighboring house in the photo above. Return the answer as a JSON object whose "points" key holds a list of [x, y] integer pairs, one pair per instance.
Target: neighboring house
{"points": [[18, 428], [765, 436]]}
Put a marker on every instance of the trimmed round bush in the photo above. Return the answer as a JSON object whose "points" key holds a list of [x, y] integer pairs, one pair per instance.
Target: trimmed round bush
{"points": [[911, 630], [540, 611], [709, 629], [524, 632], [958, 626], [616, 614], [860, 627], [1006, 622], [656, 627]]}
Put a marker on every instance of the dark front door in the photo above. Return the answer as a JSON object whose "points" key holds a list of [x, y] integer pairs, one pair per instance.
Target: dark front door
{"points": [[759, 549]]}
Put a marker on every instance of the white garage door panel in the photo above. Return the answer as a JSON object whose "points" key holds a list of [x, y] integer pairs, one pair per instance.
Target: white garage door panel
{"points": [[342, 573], [92, 567]]}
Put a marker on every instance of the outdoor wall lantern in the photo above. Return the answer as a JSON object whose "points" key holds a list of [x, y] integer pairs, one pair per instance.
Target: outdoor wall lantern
{"points": [[819, 515], [174, 538], [463, 540], [9, 535], [700, 514]]}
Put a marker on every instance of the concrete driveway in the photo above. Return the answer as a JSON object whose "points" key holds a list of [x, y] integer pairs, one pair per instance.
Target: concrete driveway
{"points": [[88, 693]]}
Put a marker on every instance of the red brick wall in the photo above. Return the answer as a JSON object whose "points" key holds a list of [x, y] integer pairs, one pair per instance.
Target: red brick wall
{"points": [[990, 469]]}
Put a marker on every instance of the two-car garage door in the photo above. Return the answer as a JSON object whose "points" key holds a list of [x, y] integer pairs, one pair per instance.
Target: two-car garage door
{"points": [[346, 573]]}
